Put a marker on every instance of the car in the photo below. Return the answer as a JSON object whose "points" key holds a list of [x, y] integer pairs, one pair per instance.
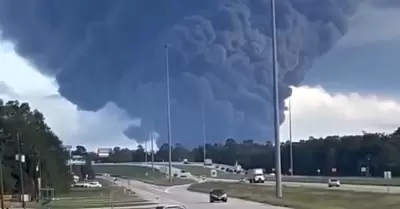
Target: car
{"points": [[203, 177], [218, 195], [242, 180], [333, 183], [79, 184], [94, 184]]}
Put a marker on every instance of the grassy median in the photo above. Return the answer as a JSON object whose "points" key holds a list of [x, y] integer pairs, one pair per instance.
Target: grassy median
{"points": [[304, 198], [108, 196], [140, 173]]}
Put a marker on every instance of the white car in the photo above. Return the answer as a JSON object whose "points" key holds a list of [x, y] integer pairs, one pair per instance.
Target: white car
{"points": [[93, 184], [79, 184], [333, 183]]}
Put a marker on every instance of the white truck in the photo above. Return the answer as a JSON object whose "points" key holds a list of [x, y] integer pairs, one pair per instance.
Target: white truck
{"points": [[208, 162], [256, 175]]}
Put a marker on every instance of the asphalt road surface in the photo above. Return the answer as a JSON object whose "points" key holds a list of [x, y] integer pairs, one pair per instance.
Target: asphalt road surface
{"points": [[178, 195], [359, 188], [349, 187]]}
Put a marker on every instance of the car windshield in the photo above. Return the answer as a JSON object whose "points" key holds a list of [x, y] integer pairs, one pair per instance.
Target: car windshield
{"points": [[218, 191]]}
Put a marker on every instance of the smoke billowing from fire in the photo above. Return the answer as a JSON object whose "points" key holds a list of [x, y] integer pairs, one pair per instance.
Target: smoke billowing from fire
{"points": [[220, 57]]}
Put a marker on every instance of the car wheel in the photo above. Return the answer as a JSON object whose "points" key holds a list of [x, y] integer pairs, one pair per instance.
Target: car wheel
{"points": [[330, 186], [226, 200], [211, 200]]}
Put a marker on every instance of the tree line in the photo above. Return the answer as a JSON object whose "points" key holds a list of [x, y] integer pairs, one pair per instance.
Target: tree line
{"points": [[367, 154], [29, 151]]}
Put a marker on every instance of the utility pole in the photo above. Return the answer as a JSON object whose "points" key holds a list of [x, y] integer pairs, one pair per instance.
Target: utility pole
{"points": [[290, 138], [168, 116], [70, 160], [21, 158], [39, 172], [203, 130], [3, 142], [278, 173], [1, 173]]}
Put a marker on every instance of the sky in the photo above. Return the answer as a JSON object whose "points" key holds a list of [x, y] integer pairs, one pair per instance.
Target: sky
{"points": [[323, 105]]}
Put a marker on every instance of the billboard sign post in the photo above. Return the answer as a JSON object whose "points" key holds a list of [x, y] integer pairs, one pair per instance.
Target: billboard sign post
{"points": [[103, 152]]}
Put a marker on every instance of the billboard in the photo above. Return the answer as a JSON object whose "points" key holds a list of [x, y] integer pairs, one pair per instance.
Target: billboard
{"points": [[103, 152], [67, 147]]}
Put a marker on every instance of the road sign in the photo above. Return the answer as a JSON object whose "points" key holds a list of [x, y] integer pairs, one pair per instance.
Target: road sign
{"points": [[363, 169], [103, 152], [387, 174], [214, 173], [334, 170]]}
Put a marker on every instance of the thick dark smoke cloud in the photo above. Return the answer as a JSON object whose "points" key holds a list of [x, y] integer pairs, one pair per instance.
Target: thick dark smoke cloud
{"points": [[104, 50]]}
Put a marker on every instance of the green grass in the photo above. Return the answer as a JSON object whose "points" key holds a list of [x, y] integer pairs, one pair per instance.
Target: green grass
{"points": [[139, 173], [200, 170], [97, 197], [304, 198]]}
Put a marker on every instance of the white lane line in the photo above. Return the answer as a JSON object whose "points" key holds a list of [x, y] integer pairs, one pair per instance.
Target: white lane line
{"points": [[167, 190], [163, 191]]}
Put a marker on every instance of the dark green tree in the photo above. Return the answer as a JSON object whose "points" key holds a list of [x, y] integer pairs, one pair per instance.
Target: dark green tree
{"points": [[45, 156]]}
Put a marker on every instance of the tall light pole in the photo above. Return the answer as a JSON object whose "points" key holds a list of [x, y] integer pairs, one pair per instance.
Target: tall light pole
{"points": [[278, 173], [168, 115], [145, 152], [151, 130], [152, 149], [203, 126], [290, 137]]}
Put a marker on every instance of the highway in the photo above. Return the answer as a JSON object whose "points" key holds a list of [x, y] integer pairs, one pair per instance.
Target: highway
{"points": [[348, 187], [178, 195]]}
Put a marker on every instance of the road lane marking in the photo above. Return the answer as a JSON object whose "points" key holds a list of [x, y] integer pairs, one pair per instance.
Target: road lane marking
{"points": [[176, 186]]}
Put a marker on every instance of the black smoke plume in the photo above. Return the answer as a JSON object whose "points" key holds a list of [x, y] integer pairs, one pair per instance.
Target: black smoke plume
{"points": [[220, 57]]}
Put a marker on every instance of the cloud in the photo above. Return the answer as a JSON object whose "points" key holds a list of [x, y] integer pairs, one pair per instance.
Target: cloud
{"points": [[318, 113], [19, 81], [371, 24]]}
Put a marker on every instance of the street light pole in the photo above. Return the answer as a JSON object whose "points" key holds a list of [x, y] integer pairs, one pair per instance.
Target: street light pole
{"points": [[278, 173], [168, 115], [152, 149], [290, 137], [203, 130], [145, 152]]}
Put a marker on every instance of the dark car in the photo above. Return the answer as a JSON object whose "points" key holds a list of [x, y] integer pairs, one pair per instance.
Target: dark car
{"points": [[218, 195]]}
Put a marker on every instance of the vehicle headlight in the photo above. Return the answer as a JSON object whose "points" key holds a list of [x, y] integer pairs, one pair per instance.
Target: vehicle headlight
{"points": [[223, 196]]}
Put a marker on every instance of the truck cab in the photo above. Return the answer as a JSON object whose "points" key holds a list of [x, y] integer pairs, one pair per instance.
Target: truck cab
{"points": [[256, 175]]}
